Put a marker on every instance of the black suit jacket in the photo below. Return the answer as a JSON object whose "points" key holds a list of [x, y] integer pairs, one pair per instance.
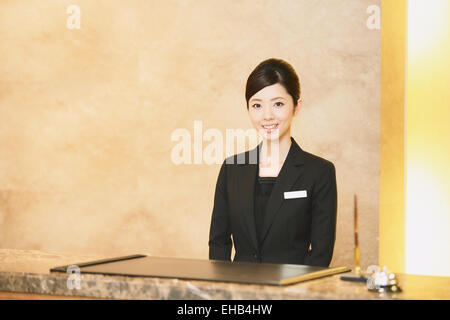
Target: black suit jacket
{"points": [[290, 225]]}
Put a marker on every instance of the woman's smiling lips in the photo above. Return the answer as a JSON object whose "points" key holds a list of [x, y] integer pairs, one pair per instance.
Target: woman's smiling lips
{"points": [[270, 128]]}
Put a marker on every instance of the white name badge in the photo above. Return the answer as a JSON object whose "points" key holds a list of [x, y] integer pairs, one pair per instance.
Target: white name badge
{"points": [[295, 194]]}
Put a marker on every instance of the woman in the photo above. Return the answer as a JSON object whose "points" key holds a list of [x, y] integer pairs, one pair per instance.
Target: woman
{"points": [[280, 208]]}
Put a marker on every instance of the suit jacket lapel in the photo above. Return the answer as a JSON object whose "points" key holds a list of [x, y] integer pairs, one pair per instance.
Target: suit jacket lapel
{"points": [[247, 191], [289, 173]]}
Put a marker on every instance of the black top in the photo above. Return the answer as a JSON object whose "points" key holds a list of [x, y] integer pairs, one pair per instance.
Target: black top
{"points": [[263, 190]]}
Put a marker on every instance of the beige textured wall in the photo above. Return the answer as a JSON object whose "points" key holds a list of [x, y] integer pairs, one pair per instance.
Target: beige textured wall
{"points": [[86, 115]]}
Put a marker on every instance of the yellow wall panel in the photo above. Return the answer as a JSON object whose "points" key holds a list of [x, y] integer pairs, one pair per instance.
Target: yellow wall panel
{"points": [[393, 49]]}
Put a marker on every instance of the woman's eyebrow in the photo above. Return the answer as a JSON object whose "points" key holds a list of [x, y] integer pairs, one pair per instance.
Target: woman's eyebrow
{"points": [[255, 99]]}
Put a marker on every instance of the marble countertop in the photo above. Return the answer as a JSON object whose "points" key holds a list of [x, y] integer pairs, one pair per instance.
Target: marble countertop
{"points": [[28, 271]]}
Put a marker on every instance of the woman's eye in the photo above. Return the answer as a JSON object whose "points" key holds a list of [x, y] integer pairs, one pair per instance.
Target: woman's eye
{"points": [[279, 104], [256, 105]]}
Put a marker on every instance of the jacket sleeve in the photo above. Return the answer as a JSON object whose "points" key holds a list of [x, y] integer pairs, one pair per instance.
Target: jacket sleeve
{"points": [[323, 226], [220, 242]]}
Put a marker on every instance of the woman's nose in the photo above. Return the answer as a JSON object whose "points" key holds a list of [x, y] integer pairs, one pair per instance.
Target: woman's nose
{"points": [[268, 113]]}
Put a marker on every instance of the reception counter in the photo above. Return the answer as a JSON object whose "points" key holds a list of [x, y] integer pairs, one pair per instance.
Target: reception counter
{"points": [[25, 274]]}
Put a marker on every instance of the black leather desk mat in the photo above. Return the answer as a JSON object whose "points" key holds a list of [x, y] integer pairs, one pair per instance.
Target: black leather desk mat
{"points": [[210, 270]]}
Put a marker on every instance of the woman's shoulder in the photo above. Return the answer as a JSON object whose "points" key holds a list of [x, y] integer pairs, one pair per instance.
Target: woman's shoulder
{"points": [[242, 158], [317, 161]]}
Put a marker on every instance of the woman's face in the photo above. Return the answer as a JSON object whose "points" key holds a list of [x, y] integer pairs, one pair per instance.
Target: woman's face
{"points": [[271, 111]]}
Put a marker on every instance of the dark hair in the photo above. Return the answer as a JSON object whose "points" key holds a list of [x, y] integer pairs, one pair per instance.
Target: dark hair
{"points": [[273, 71]]}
